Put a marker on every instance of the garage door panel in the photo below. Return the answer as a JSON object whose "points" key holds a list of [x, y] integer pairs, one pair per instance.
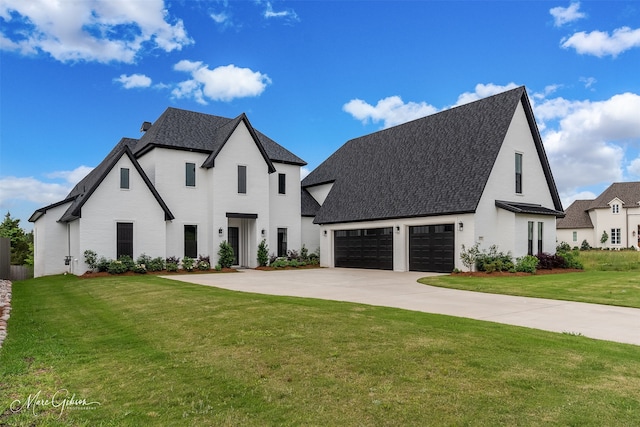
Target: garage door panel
{"points": [[364, 248], [431, 248]]}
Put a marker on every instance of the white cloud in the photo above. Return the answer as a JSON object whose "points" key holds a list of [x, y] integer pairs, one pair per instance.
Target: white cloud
{"points": [[89, 30], [588, 81], [567, 199], [587, 146], [634, 168], [392, 110], [483, 91], [288, 14], [134, 81], [599, 43], [219, 18], [72, 177], [563, 15], [223, 83], [30, 189]]}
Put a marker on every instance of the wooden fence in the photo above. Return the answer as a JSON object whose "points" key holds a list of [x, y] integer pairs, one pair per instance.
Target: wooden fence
{"points": [[20, 272]]}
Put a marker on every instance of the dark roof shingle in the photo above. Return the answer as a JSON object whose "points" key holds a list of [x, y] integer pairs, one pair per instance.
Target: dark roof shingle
{"points": [[576, 215], [627, 192]]}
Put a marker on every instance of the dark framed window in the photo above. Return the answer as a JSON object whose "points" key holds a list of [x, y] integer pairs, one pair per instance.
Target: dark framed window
{"points": [[615, 236], [191, 241], [540, 224], [124, 239], [282, 242], [124, 178], [242, 179], [190, 174], [282, 183], [518, 173], [530, 238]]}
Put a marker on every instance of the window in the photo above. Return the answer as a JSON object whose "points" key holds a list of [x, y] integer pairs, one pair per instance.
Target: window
{"points": [[575, 236], [191, 241], [530, 238], [124, 178], [615, 236], [242, 179], [124, 239], [282, 183], [540, 237], [615, 208], [282, 242], [190, 175], [518, 173]]}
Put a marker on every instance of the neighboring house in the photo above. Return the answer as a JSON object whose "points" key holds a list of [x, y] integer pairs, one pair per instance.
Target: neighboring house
{"points": [[190, 182], [408, 197], [616, 211]]}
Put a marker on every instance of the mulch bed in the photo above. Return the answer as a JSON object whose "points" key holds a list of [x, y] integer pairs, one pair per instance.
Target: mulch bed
{"points": [[90, 275], [506, 273], [302, 267]]}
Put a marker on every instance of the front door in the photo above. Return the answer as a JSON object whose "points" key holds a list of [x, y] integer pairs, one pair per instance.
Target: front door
{"points": [[234, 241]]}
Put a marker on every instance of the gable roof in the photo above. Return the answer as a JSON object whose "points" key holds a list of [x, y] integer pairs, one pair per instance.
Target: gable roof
{"points": [[309, 205], [627, 192], [85, 188], [206, 133], [576, 215], [450, 153]]}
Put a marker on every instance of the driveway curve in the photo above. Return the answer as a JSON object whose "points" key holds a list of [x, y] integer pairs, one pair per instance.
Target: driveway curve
{"points": [[401, 290]]}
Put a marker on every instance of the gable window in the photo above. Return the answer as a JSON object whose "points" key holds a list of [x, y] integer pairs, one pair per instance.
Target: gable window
{"points": [[124, 239], [530, 238], [518, 173], [282, 183], [615, 208], [242, 179], [615, 236], [190, 174], [191, 241], [124, 178], [540, 237], [282, 242], [575, 236]]}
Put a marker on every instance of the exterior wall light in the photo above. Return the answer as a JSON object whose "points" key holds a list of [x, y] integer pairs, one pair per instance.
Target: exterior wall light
{"points": [[460, 226], [264, 232], [397, 228], [325, 233], [220, 231]]}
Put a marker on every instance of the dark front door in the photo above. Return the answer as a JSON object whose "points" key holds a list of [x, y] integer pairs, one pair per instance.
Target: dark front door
{"points": [[364, 248], [234, 241], [431, 248]]}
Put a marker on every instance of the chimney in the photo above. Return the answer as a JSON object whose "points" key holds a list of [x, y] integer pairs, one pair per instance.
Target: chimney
{"points": [[145, 126]]}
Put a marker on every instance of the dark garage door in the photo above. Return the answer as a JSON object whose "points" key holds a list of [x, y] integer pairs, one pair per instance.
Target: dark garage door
{"points": [[364, 248], [431, 248]]}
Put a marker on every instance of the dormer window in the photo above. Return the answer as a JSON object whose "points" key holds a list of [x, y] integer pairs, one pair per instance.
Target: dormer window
{"points": [[615, 208]]}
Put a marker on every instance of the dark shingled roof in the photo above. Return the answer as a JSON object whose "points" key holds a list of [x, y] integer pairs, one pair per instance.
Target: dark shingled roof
{"points": [[205, 133], [576, 215], [627, 192], [528, 208], [309, 206], [436, 165]]}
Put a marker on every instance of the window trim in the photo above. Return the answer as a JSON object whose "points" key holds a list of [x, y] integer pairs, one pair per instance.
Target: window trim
{"points": [[615, 208], [282, 183], [519, 160], [242, 179], [125, 175], [187, 182]]}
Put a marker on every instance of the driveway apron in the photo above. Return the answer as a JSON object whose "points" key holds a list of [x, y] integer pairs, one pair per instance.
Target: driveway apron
{"points": [[401, 290]]}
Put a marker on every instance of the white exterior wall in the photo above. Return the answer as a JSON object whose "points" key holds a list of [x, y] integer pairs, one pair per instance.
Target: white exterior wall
{"points": [[50, 243], [284, 209], [505, 229], [310, 234], [320, 192], [400, 236], [626, 220], [108, 205], [240, 149], [566, 235]]}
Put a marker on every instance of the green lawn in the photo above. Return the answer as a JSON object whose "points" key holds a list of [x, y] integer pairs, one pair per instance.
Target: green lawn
{"points": [[610, 277], [157, 352]]}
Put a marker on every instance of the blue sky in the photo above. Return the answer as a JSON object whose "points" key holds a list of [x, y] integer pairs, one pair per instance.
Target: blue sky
{"points": [[76, 76]]}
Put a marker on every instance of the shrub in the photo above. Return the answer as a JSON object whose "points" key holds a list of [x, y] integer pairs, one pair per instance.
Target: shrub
{"points": [[156, 264], [549, 261], [225, 255], [493, 260], [127, 261], [272, 258], [469, 256], [585, 246], [139, 268], [572, 259], [263, 253], [218, 267], [293, 254], [91, 259], [314, 257], [172, 266], [144, 260], [188, 263], [304, 254], [280, 263], [103, 264], [527, 264], [604, 237], [563, 247], [117, 267], [203, 263]]}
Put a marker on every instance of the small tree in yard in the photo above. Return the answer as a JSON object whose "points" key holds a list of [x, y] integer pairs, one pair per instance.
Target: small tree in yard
{"points": [[604, 237], [469, 256], [263, 253], [226, 255]]}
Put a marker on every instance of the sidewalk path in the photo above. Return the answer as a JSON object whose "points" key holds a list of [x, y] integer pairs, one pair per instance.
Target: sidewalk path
{"points": [[401, 290]]}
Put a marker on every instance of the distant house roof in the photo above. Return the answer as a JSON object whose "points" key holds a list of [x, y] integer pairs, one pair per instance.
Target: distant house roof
{"points": [[206, 133], [576, 216], [627, 192], [436, 165]]}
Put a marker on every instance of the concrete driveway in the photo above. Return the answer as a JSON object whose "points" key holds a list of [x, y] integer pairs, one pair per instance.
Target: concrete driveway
{"points": [[400, 290]]}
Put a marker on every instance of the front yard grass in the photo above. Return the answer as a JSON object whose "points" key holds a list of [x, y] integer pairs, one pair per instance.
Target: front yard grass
{"points": [[609, 277], [153, 351]]}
